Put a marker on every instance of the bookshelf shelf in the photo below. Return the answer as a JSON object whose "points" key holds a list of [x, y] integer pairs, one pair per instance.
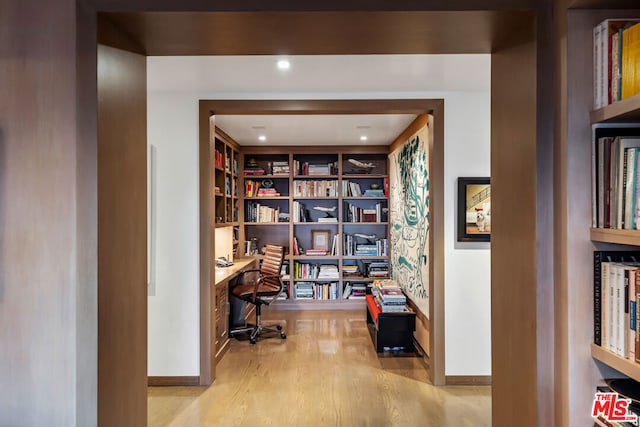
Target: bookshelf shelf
{"points": [[315, 257], [621, 237], [319, 177], [268, 198], [314, 198], [625, 110], [626, 366], [365, 223], [363, 176], [316, 223], [300, 207], [363, 198]]}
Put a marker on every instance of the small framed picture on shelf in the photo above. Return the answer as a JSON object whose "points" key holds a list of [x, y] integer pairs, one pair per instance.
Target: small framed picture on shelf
{"points": [[320, 239], [474, 210]]}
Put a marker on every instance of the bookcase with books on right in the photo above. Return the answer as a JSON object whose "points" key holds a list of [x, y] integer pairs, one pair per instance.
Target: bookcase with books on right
{"points": [[615, 174]]}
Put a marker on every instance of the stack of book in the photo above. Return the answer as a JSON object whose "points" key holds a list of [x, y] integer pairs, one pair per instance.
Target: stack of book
{"points": [[317, 169], [326, 291], [255, 212], [366, 250], [389, 297], [251, 188], [316, 252], [378, 269], [300, 212], [280, 168], [327, 188], [218, 159], [351, 189], [616, 180], [253, 169], [303, 270], [304, 290], [370, 192], [354, 290], [328, 271], [268, 192], [350, 271]]}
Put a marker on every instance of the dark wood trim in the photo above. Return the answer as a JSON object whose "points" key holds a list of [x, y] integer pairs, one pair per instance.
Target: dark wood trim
{"points": [[353, 32], [520, 346], [320, 106], [468, 380], [110, 34], [122, 238], [173, 381], [423, 108], [207, 327], [436, 244]]}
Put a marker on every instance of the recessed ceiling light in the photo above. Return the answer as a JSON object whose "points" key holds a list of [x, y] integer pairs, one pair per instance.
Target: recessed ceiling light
{"points": [[363, 138], [262, 138], [284, 64]]}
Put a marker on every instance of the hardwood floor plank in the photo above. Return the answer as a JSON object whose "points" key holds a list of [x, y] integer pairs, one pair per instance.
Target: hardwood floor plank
{"points": [[326, 373]]}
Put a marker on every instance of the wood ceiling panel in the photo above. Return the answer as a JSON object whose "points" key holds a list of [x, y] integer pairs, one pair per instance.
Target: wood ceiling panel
{"points": [[313, 33], [604, 4]]}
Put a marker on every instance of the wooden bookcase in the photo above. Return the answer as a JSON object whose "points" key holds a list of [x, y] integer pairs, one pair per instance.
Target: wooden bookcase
{"points": [[579, 363], [318, 177], [225, 178], [622, 112]]}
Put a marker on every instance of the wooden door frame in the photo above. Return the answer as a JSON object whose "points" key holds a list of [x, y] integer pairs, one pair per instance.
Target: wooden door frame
{"points": [[519, 124], [433, 107]]}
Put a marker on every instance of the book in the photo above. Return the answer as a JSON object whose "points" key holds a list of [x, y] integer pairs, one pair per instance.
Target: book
{"points": [[623, 144], [609, 63], [600, 257], [630, 76], [347, 291]]}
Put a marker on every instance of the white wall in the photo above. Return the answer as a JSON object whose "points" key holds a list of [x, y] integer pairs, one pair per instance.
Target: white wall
{"points": [[173, 310], [467, 266], [173, 129]]}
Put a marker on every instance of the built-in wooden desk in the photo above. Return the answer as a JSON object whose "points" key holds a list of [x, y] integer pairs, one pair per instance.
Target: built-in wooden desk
{"points": [[221, 303]]}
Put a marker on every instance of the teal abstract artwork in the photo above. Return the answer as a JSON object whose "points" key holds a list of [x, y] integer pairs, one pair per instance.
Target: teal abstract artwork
{"points": [[409, 217]]}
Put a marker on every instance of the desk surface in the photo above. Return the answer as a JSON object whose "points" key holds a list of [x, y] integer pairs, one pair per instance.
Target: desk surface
{"points": [[225, 273]]}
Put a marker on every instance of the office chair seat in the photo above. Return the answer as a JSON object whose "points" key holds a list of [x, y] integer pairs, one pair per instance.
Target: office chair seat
{"points": [[261, 287]]}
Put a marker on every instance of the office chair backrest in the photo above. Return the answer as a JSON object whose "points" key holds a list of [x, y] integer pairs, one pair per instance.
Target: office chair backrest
{"points": [[272, 264]]}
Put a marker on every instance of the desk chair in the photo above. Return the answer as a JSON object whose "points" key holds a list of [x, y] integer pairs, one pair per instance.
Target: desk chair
{"points": [[261, 287]]}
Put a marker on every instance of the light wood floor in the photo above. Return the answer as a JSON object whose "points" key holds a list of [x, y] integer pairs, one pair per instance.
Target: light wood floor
{"points": [[326, 373]]}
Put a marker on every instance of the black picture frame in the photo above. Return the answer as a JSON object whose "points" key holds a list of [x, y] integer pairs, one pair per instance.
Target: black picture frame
{"points": [[474, 201]]}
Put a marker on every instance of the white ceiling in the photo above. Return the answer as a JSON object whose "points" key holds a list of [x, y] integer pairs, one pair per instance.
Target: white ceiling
{"points": [[380, 129], [318, 77]]}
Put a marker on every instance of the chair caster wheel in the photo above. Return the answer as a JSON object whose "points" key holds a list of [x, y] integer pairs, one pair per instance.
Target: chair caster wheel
{"points": [[283, 335], [279, 327], [252, 340]]}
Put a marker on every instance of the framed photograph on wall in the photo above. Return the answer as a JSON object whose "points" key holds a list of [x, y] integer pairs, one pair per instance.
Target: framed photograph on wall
{"points": [[320, 239], [474, 210]]}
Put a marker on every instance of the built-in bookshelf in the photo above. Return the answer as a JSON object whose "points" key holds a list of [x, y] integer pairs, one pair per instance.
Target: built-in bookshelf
{"points": [[226, 176], [615, 189], [329, 208]]}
